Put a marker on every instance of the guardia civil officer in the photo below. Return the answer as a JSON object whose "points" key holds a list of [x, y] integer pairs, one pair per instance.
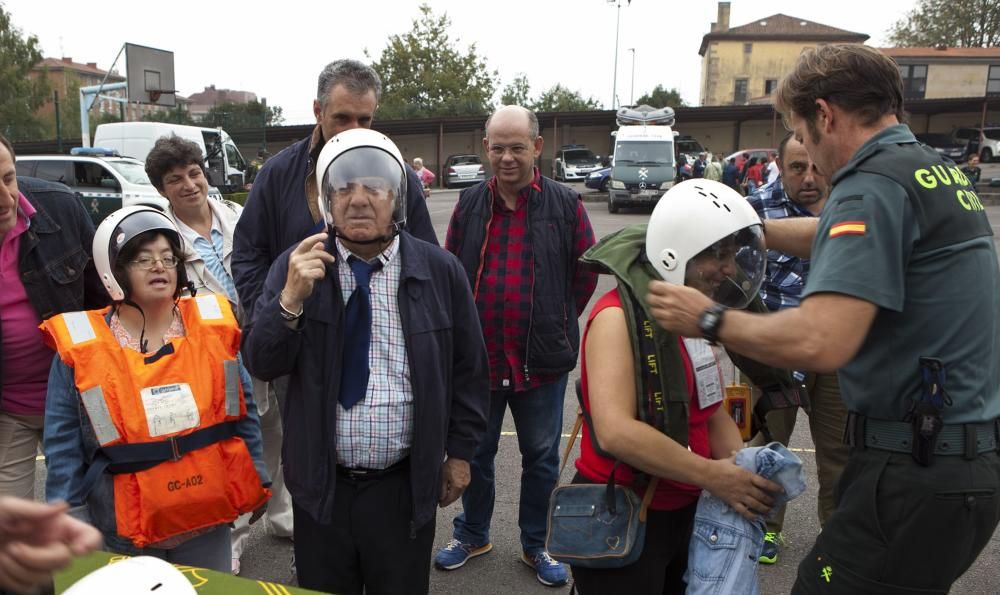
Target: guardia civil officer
{"points": [[902, 299]]}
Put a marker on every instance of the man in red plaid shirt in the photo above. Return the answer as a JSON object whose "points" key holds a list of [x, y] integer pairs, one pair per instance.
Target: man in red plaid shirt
{"points": [[519, 237]]}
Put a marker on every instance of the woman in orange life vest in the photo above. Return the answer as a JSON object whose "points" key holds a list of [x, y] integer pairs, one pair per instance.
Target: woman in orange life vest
{"points": [[151, 433], [705, 235]]}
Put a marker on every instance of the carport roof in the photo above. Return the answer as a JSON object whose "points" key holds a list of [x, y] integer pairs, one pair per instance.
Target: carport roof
{"points": [[714, 113]]}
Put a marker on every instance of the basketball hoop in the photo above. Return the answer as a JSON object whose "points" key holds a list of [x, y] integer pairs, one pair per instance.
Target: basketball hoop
{"points": [[156, 94]]}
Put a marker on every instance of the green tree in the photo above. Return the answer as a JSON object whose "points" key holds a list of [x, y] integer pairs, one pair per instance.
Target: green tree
{"points": [[661, 97], [964, 23], [516, 92], [424, 74], [242, 116], [21, 94], [174, 115], [561, 99]]}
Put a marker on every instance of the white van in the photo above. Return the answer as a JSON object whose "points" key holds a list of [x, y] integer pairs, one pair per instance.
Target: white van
{"points": [[225, 165]]}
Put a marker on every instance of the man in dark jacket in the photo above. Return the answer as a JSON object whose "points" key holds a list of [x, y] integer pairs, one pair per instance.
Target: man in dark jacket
{"points": [[282, 207], [46, 269], [388, 377], [519, 237]]}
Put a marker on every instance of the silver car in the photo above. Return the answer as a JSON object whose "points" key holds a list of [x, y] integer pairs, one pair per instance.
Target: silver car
{"points": [[463, 170]]}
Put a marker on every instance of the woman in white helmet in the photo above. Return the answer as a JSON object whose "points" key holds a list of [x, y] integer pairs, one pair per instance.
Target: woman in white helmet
{"points": [[151, 434], [651, 399]]}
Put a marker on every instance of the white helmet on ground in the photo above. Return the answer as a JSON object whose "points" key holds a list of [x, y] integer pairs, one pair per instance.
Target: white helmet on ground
{"points": [[142, 574], [361, 157], [117, 230], [704, 234]]}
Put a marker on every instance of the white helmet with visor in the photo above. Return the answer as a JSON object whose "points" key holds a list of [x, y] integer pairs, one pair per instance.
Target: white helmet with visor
{"points": [[705, 235], [361, 164]]}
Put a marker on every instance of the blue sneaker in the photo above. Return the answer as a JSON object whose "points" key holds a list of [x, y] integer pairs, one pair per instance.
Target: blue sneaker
{"points": [[549, 572], [456, 554]]}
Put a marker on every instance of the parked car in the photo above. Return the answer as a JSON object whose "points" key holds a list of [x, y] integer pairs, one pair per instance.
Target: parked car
{"points": [[103, 181], [104, 184], [574, 163], [990, 149], [462, 170], [946, 145], [598, 180], [758, 153]]}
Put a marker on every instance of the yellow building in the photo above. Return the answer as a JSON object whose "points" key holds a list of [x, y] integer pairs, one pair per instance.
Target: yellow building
{"points": [[745, 62], [943, 72]]}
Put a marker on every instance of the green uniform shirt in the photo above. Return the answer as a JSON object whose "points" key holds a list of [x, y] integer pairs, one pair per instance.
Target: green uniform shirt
{"points": [[904, 231]]}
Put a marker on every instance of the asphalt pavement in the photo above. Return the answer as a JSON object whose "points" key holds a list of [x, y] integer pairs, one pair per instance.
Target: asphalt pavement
{"points": [[500, 572]]}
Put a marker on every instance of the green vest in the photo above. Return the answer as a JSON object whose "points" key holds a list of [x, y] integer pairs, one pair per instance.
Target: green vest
{"points": [[665, 406]]}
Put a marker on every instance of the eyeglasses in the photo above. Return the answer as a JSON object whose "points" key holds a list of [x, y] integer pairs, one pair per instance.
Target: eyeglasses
{"points": [[147, 262]]}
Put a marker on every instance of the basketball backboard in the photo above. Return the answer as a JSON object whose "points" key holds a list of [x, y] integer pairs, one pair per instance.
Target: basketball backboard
{"points": [[150, 75]]}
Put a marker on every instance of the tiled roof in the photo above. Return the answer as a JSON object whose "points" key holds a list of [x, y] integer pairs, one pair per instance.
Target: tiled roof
{"points": [[929, 52], [55, 64], [783, 27]]}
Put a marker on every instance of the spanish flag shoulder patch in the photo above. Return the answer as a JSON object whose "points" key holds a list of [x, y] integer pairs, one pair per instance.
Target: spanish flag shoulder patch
{"points": [[856, 228]]}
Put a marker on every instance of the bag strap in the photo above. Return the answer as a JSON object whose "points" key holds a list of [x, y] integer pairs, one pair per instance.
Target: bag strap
{"points": [[647, 498], [572, 437]]}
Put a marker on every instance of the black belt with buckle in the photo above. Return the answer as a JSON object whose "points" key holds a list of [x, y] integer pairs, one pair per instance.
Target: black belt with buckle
{"points": [[968, 440], [365, 474]]}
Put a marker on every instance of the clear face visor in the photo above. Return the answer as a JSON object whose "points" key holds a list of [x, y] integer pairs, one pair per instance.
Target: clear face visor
{"points": [[731, 270], [363, 177]]}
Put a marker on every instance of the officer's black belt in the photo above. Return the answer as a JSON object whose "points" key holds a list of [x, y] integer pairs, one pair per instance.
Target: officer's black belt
{"points": [[364, 474], [967, 440]]}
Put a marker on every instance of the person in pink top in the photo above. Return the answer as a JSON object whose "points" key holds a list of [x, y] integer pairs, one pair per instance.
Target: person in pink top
{"points": [[426, 176], [45, 269]]}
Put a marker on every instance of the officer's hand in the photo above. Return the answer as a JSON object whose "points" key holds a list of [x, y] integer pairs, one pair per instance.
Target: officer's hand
{"points": [[676, 307], [306, 265], [455, 477], [747, 493]]}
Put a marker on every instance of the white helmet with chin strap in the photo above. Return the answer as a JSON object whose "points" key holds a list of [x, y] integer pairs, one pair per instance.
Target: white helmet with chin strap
{"points": [[142, 574], [361, 158], [704, 216], [117, 230]]}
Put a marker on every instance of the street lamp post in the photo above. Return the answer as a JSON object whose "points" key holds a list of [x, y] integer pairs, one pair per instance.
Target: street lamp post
{"points": [[614, 83], [632, 94]]}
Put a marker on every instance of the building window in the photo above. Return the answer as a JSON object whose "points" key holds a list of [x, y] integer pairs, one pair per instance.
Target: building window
{"points": [[993, 82], [740, 92], [914, 81], [770, 85], [747, 48]]}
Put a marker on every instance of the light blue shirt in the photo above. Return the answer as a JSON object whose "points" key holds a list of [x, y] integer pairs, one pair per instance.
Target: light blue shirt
{"points": [[725, 547]]}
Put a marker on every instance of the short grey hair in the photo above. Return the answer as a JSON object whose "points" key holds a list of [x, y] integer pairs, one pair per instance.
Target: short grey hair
{"points": [[357, 77], [532, 122]]}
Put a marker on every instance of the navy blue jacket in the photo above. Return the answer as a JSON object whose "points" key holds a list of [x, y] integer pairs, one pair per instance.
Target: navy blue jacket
{"points": [[448, 373], [277, 215], [553, 338], [54, 260]]}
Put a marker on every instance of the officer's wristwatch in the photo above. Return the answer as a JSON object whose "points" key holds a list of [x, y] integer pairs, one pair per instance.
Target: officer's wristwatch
{"points": [[709, 322]]}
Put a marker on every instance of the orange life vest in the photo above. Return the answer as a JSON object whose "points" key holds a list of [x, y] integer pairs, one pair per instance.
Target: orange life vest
{"points": [[165, 422]]}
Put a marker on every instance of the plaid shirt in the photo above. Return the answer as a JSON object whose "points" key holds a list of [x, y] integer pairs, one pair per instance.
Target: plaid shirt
{"points": [[786, 275], [378, 430], [504, 293]]}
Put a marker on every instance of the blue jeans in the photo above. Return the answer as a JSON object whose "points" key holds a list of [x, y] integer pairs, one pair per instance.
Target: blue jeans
{"points": [[538, 417]]}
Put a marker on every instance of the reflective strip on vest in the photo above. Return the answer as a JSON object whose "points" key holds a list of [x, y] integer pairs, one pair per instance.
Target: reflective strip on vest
{"points": [[79, 327], [208, 307], [231, 372], [100, 416]]}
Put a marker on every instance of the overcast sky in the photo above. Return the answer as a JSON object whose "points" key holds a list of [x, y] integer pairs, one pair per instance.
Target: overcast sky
{"points": [[276, 49]]}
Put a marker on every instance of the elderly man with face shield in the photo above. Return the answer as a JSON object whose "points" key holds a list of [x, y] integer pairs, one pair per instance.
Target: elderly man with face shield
{"points": [[387, 368], [655, 413]]}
